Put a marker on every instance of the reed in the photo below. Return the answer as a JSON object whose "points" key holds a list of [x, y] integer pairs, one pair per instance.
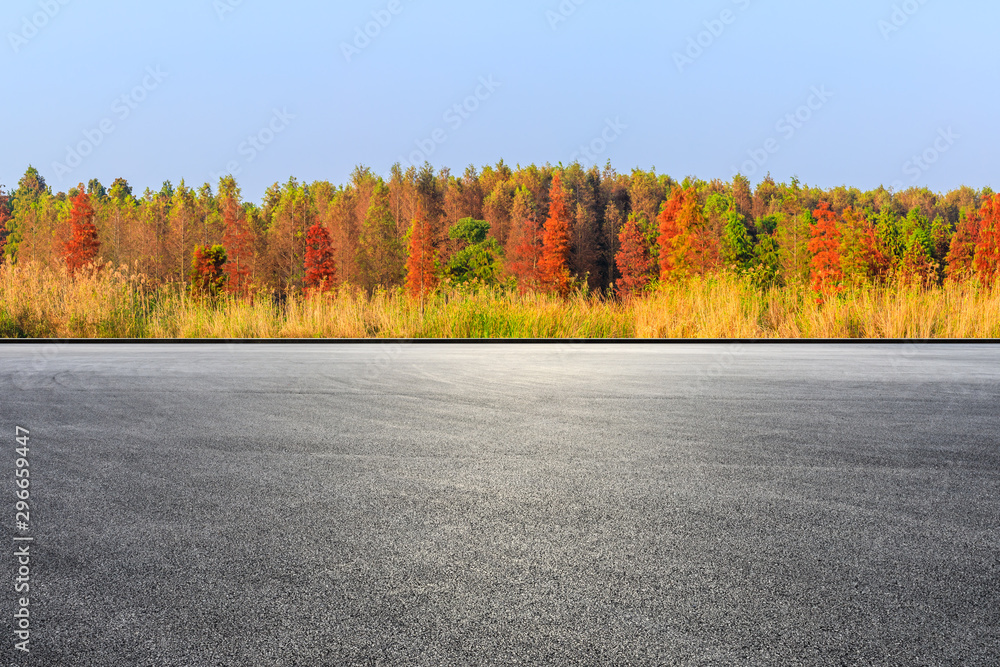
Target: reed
{"points": [[38, 302]]}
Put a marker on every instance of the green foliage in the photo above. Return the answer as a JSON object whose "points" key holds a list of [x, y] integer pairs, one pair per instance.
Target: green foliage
{"points": [[766, 225], [31, 186], [737, 244], [479, 261], [889, 233], [469, 230], [95, 189], [381, 254], [121, 191]]}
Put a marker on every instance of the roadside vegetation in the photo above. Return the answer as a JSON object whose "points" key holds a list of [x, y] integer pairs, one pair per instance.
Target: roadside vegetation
{"points": [[36, 302], [528, 253]]}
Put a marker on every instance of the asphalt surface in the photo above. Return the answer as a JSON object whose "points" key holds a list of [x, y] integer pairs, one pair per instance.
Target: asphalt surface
{"points": [[504, 504]]}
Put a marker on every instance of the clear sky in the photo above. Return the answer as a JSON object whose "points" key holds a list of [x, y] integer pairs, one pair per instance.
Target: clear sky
{"points": [[856, 92]]}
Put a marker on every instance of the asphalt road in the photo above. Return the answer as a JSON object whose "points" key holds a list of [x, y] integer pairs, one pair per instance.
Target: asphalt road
{"points": [[473, 504]]}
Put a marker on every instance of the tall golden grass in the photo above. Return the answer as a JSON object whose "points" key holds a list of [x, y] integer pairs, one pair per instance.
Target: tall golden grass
{"points": [[37, 302]]}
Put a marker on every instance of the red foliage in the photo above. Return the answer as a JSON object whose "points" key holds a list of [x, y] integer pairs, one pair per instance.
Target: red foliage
{"points": [[83, 245], [208, 276], [862, 254], [554, 263], [634, 259], [525, 251], [420, 269], [987, 259], [826, 272], [238, 241], [962, 250], [321, 269], [669, 231]]}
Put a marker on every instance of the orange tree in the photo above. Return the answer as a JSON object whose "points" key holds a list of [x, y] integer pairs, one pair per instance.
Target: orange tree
{"points": [[320, 267], [987, 259], [634, 258], [825, 270], [83, 244], [421, 278], [684, 247], [553, 267]]}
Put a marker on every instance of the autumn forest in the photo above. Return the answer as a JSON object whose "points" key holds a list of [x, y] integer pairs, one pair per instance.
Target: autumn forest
{"points": [[611, 252]]}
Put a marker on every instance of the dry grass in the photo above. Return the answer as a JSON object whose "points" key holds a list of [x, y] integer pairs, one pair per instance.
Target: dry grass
{"points": [[725, 307], [37, 302]]}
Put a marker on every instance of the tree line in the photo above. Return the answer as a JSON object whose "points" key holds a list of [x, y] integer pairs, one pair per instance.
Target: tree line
{"points": [[556, 229]]}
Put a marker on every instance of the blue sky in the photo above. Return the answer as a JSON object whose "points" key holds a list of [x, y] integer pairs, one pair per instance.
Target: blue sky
{"points": [[856, 92]]}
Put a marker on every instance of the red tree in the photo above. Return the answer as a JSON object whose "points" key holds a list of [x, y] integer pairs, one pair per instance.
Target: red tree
{"points": [[524, 253], [83, 244], [634, 259], [825, 271], [208, 276], [962, 249], [553, 266], [862, 257], [524, 243], [321, 269], [669, 233], [420, 275], [237, 239], [987, 259]]}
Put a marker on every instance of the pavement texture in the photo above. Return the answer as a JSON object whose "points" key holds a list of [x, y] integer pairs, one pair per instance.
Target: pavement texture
{"points": [[462, 504]]}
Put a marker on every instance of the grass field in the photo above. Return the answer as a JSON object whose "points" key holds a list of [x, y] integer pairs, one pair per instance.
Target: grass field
{"points": [[36, 302]]}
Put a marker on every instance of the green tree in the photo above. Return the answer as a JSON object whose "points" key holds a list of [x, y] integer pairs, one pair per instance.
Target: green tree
{"points": [[737, 242], [479, 260], [381, 255], [767, 251], [24, 218]]}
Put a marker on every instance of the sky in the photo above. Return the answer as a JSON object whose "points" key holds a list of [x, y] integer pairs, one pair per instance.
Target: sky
{"points": [[855, 92]]}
